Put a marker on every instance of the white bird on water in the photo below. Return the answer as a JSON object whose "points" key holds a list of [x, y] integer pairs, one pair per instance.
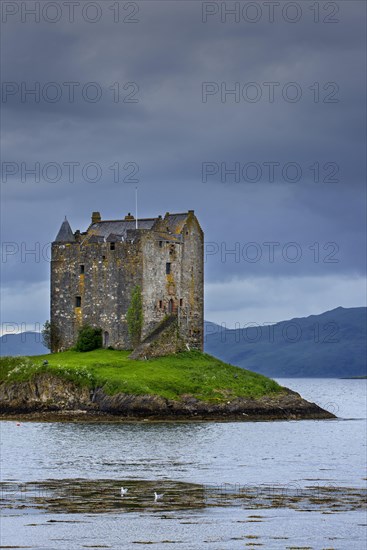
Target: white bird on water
{"points": [[123, 491], [157, 497]]}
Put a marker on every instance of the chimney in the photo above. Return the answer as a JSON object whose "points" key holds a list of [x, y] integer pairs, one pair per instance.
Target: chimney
{"points": [[129, 217], [96, 217]]}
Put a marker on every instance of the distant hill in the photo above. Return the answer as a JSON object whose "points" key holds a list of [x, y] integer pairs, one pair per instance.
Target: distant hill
{"points": [[25, 343], [329, 345]]}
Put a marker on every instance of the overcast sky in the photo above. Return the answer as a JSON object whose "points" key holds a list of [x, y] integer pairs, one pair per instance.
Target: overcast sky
{"points": [[256, 120]]}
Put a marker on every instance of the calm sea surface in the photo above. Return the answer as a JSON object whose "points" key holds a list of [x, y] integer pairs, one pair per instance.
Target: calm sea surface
{"points": [[225, 485]]}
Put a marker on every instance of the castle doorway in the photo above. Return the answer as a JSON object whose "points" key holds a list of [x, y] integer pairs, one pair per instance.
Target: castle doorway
{"points": [[106, 339]]}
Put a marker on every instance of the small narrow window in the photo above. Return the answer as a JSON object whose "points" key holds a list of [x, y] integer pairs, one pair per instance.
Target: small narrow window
{"points": [[112, 246], [181, 302], [168, 268], [78, 301], [160, 304], [160, 244], [82, 270]]}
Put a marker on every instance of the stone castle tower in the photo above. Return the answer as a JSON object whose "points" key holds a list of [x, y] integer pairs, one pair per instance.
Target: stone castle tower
{"points": [[94, 273]]}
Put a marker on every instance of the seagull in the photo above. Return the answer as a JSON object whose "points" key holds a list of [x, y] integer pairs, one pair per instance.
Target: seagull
{"points": [[123, 491], [156, 496]]}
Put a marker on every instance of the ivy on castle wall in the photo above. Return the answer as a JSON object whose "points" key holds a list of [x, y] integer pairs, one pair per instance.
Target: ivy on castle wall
{"points": [[134, 316]]}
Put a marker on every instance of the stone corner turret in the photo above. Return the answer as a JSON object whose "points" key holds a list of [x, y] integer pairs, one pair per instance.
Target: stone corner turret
{"points": [[65, 234]]}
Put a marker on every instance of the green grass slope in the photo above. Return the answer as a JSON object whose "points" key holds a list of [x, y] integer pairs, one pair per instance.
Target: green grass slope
{"points": [[189, 373]]}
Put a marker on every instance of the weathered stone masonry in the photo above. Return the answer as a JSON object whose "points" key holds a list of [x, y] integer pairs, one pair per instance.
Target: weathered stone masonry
{"points": [[93, 275]]}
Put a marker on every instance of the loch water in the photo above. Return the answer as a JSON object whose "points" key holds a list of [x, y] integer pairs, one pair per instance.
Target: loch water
{"points": [[271, 485]]}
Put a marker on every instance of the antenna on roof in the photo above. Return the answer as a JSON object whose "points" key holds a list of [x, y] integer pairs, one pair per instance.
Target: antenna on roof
{"points": [[136, 208]]}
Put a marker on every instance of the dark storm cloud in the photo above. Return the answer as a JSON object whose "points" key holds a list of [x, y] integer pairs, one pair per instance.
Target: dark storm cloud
{"points": [[170, 132]]}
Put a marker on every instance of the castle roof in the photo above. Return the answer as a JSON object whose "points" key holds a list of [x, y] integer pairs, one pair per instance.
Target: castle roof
{"points": [[175, 222], [171, 223], [118, 227], [65, 234]]}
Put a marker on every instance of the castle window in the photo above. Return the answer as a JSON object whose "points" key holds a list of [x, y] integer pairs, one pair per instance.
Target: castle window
{"points": [[78, 301], [181, 302], [168, 268], [160, 304], [112, 246], [82, 270], [160, 244]]}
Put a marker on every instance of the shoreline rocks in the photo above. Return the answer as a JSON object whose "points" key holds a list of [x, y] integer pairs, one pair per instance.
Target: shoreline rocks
{"points": [[49, 398]]}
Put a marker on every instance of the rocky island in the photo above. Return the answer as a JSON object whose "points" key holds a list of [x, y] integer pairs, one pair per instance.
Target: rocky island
{"points": [[127, 334], [109, 385]]}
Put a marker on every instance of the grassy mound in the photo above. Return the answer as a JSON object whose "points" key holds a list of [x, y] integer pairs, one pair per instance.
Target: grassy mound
{"points": [[189, 373]]}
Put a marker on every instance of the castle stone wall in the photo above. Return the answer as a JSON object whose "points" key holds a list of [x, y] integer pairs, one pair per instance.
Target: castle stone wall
{"points": [[92, 281]]}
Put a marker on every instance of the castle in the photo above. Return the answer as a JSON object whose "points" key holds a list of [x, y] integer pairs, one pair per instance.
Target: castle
{"points": [[94, 273]]}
